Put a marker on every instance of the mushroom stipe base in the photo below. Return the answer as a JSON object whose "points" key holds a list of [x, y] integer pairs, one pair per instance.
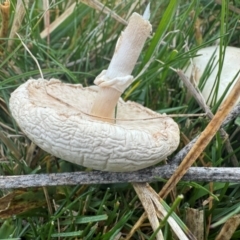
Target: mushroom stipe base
{"points": [[51, 114]]}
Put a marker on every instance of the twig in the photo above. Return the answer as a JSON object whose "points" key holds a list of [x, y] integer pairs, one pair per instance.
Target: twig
{"points": [[197, 174], [203, 140]]}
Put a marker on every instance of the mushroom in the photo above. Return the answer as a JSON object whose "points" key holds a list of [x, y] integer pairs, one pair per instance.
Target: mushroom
{"points": [[77, 123], [229, 73]]}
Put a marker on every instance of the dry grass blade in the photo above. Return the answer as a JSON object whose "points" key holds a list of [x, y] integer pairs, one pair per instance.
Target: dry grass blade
{"points": [[230, 6], [5, 12], [30, 153], [35, 59], [195, 222], [50, 209], [150, 198], [4, 107], [133, 6], [229, 228], [142, 192], [100, 7], [17, 21], [8, 128], [91, 3], [14, 150], [47, 31], [136, 226], [195, 92], [46, 18], [162, 213], [203, 140]]}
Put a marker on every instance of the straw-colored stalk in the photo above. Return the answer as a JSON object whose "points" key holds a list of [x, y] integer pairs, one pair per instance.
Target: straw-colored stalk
{"points": [[46, 18], [5, 12], [20, 12], [58, 21], [117, 78]]}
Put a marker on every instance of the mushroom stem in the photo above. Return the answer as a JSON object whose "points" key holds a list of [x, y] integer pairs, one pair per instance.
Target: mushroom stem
{"points": [[129, 47], [116, 79], [105, 103]]}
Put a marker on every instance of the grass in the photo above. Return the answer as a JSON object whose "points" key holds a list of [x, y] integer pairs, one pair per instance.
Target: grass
{"points": [[75, 52]]}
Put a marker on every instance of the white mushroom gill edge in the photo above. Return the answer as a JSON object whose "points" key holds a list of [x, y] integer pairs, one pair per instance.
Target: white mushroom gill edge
{"points": [[230, 69], [52, 115]]}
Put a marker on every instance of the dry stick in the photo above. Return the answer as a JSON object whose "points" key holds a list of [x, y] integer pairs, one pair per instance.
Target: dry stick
{"points": [[201, 101], [197, 174], [203, 140]]}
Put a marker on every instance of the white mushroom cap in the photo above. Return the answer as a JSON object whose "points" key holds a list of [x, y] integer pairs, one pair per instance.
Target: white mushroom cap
{"points": [[231, 67], [56, 117]]}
